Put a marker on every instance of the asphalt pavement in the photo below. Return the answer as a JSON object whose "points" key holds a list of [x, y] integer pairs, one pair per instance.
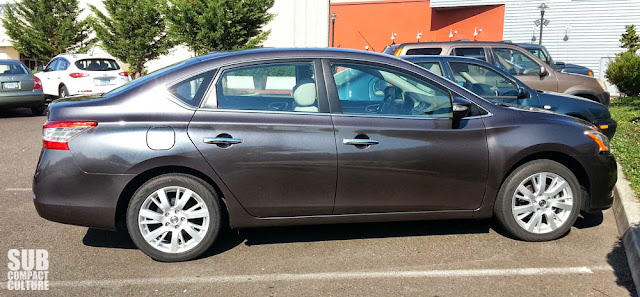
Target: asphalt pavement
{"points": [[436, 258]]}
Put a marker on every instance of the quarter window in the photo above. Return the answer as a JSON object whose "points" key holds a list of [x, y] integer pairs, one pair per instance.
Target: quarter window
{"points": [[191, 90], [515, 62], [272, 87], [364, 89], [424, 51], [482, 80], [470, 52]]}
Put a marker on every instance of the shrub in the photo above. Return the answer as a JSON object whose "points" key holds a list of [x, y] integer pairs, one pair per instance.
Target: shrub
{"points": [[624, 72]]}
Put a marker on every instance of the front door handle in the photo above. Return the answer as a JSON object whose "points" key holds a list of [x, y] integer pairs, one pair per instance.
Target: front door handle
{"points": [[362, 142], [222, 140]]}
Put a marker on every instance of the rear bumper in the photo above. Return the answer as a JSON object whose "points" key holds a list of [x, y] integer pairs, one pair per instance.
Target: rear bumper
{"points": [[603, 174], [21, 99], [64, 193]]}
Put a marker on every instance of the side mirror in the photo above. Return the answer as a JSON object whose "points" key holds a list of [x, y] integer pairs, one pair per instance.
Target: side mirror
{"points": [[39, 68], [461, 108], [543, 71], [523, 93]]}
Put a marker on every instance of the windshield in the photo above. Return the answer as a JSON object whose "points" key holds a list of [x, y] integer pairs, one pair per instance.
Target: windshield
{"points": [[540, 54]]}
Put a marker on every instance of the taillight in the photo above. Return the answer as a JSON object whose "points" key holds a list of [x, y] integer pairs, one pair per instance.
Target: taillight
{"points": [[78, 74], [56, 134], [37, 83], [123, 73]]}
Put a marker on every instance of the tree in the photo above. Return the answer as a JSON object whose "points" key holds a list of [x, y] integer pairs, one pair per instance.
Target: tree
{"points": [[630, 39], [624, 72], [207, 25], [134, 31], [42, 29]]}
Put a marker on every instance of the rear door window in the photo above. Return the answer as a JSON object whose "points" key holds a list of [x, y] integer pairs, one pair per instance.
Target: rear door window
{"points": [[424, 51], [97, 65], [470, 52], [62, 65], [431, 66], [269, 87], [52, 65]]}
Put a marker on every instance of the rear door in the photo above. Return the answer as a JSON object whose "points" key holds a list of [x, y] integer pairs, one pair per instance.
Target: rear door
{"points": [[409, 155], [266, 131]]}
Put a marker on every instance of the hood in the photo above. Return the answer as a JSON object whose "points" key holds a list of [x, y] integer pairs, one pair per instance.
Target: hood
{"points": [[567, 103]]}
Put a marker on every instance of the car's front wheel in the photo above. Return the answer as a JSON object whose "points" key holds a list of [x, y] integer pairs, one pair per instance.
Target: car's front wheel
{"points": [[173, 217], [539, 201]]}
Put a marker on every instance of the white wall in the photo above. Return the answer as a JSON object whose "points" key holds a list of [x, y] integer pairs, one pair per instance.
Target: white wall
{"points": [[593, 27]]}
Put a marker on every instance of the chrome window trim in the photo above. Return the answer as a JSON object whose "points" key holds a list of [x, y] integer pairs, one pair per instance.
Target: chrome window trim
{"points": [[262, 111]]}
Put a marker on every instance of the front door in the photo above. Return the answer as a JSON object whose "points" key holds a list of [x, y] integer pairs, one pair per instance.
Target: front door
{"points": [[267, 133], [525, 69], [407, 155]]}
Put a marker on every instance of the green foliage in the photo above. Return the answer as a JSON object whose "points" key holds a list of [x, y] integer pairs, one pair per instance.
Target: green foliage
{"points": [[630, 39], [626, 143], [624, 72], [42, 29], [134, 31], [224, 25]]}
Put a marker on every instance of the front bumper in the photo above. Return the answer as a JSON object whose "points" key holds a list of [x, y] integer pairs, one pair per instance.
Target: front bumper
{"points": [[64, 193], [607, 126], [603, 174]]}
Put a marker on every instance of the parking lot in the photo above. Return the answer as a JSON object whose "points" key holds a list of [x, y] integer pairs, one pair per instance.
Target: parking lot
{"points": [[440, 258]]}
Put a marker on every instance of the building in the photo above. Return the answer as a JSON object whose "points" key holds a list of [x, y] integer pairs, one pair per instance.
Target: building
{"points": [[584, 32], [297, 23]]}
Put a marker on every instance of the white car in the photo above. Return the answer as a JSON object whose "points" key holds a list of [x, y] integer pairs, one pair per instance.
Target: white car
{"points": [[81, 74]]}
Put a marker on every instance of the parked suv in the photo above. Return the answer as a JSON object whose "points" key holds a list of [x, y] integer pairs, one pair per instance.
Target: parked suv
{"points": [[541, 52], [310, 136], [74, 74], [517, 61]]}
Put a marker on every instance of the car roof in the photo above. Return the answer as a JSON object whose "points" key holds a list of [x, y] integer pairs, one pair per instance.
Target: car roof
{"points": [[458, 42], [75, 57], [530, 45], [293, 53]]}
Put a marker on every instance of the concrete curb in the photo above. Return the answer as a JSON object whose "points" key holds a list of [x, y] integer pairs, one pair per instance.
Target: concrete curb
{"points": [[626, 208]]}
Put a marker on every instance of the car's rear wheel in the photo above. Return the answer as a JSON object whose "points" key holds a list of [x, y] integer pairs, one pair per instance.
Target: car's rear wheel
{"points": [[173, 217], [63, 91], [539, 201]]}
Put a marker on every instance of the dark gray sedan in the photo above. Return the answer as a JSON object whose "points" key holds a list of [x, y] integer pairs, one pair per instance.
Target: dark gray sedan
{"points": [[19, 88], [310, 136], [500, 87]]}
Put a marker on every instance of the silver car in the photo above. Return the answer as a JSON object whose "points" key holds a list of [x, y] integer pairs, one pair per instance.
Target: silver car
{"points": [[19, 88]]}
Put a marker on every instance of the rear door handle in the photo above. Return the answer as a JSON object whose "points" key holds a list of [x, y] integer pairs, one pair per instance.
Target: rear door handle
{"points": [[360, 141], [222, 140]]}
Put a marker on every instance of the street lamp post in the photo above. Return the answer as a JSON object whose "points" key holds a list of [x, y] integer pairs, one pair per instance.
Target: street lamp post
{"points": [[543, 22], [333, 28]]}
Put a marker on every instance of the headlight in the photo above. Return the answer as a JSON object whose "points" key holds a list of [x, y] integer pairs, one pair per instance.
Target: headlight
{"points": [[603, 85], [600, 139]]}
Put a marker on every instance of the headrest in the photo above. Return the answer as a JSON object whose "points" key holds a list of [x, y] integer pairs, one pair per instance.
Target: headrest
{"points": [[304, 94]]}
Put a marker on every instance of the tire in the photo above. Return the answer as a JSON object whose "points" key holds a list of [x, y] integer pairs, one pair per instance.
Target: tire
{"points": [[63, 92], [147, 216], [548, 215], [39, 110]]}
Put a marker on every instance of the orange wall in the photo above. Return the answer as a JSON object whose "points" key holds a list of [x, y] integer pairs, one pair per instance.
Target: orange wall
{"points": [[359, 22]]}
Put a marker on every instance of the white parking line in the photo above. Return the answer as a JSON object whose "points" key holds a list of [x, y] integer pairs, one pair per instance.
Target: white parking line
{"points": [[329, 276], [17, 189]]}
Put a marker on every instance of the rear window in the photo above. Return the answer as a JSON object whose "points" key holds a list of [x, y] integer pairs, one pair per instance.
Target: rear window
{"points": [[11, 68], [424, 51], [97, 65], [470, 52]]}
